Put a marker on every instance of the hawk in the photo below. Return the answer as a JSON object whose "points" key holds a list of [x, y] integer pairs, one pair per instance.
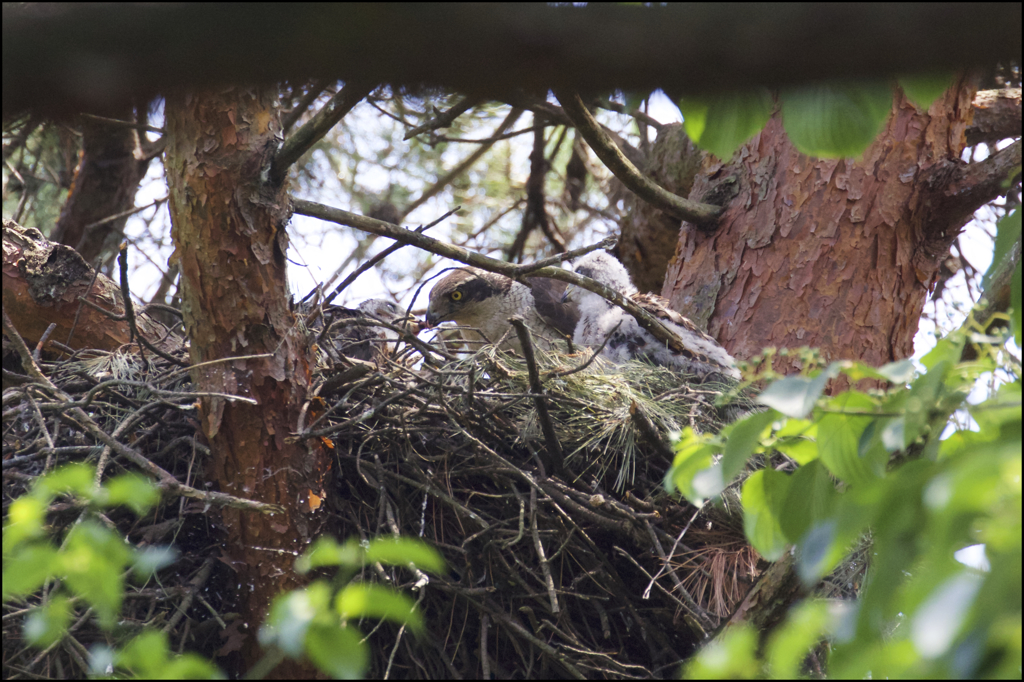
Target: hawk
{"points": [[699, 354], [484, 301], [361, 342]]}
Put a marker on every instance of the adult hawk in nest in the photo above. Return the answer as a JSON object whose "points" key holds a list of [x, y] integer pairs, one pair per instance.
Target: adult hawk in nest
{"points": [[366, 343], [483, 302], [697, 352]]}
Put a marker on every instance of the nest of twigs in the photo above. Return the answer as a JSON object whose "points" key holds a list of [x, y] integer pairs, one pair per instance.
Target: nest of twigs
{"points": [[577, 570]]}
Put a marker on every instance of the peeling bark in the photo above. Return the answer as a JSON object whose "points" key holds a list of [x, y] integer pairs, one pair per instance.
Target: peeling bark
{"points": [[838, 254], [42, 283], [230, 241], [111, 165]]}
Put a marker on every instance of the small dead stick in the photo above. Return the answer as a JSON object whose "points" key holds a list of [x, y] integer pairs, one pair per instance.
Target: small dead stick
{"points": [[129, 312], [554, 447]]}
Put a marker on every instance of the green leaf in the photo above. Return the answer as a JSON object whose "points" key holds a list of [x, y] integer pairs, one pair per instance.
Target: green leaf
{"points": [[1008, 231], [720, 124], [291, 616], [364, 600], [820, 550], [791, 642], [833, 120], [947, 350], [93, 561], [796, 396], [693, 454], [1016, 302], [47, 624], [146, 655], [403, 551], [25, 518], [839, 439], [924, 90], [151, 560], [936, 624], [810, 498], [76, 479], [760, 523], [133, 491], [899, 372], [922, 400], [26, 569], [742, 437], [797, 439], [338, 651], [327, 552], [730, 656]]}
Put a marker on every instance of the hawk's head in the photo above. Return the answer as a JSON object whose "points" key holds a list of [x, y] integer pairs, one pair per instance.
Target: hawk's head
{"points": [[468, 296], [607, 270]]}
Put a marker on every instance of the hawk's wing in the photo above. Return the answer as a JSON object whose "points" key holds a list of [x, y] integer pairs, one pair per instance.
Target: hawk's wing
{"points": [[547, 298]]}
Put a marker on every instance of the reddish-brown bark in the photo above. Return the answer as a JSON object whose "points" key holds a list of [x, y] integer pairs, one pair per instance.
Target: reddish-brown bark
{"points": [[42, 284], [111, 165], [837, 254], [230, 242]]}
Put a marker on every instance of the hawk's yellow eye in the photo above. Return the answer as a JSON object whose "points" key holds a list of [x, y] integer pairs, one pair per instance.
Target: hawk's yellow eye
{"points": [[456, 295]]}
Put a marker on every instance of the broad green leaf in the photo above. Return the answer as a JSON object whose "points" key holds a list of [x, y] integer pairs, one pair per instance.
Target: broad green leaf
{"points": [[791, 642], [191, 667], [365, 600], [27, 568], [720, 124], [1003, 409], [1017, 303], [839, 436], [133, 491], [743, 437], [76, 479], [339, 651], [93, 562], [760, 523], [946, 350], [820, 550], [727, 657], [327, 552], [25, 518], [938, 621], [1008, 231], [291, 616], [146, 655], [835, 120], [403, 551], [149, 656], [924, 90], [47, 624], [922, 400], [693, 454], [150, 560], [710, 482], [810, 498], [796, 396], [797, 439]]}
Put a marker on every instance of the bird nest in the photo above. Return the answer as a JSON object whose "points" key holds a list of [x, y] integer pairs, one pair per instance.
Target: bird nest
{"points": [[580, 568]]}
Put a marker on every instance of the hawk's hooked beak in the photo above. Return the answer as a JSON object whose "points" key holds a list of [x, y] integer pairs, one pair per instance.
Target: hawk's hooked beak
{"points": [[431, 319], [567, 295]]}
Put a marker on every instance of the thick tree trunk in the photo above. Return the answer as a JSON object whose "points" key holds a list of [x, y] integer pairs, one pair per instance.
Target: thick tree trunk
{"points": [[110, 168], [836, 254], [230, 241]]}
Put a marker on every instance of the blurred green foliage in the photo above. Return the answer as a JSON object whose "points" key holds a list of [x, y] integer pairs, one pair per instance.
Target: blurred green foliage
{"points": [[928, 467]]}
